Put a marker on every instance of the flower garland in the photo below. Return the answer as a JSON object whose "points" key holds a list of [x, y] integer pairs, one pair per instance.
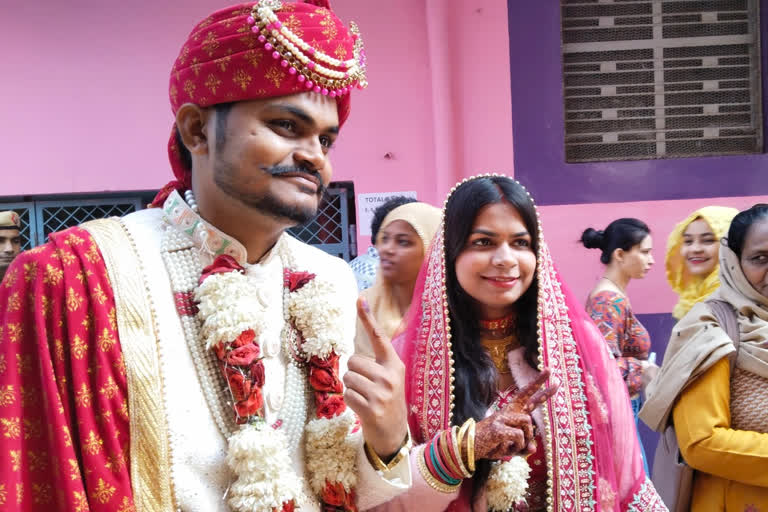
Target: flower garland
{"points": [[507, 483], [234, 324]]}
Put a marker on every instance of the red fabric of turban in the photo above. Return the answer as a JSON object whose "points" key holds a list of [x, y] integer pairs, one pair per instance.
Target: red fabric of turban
{"points": [[262, 50]]}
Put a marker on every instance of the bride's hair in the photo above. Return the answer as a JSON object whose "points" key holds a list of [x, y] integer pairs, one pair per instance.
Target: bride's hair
{"points": [[475, 375]]}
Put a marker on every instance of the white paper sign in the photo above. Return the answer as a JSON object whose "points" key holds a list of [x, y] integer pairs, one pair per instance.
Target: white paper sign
{"points": [[367, 203]]}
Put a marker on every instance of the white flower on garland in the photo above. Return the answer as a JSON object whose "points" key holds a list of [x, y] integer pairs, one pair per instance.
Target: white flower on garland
{"points": [[258, 454], [332, 451], [507, 483], [316, 316], [229, 303]]}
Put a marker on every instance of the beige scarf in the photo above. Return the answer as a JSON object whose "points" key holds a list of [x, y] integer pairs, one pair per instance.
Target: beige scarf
{"points": [[425, 219], [698, 342]]}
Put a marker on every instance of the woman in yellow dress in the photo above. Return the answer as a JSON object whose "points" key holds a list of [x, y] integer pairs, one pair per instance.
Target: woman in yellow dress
{"points": [[715, 391], [691, 262]]}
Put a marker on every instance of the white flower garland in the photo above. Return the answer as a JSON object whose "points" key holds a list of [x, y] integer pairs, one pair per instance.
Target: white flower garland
{"points": [[507, 483], [228, 304]]}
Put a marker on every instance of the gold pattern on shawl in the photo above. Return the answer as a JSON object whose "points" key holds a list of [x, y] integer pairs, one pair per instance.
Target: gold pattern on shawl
{"points": [[329, 26], [79, 347], [74, 470], [23, 363], [29, 396], [14, 303], [73, 239], [113, 320], [93, 444], [210, 43], [92, 254], [115, 463], [67, 435], [119, 365], [104, 492], [42, 494], [84, 396], [11, 427], [38, 249], [275, 75], [81, 502], [19, 493], [294, 25], [87, 322], [66, 257], [81, 277], [126, 506], [196, 65], [58, 350], [109, 390], [30, 271], [11, 277], [15, 460], [53, 275], [242, 78], [254, 57], [74, 300], [45, 304], [33, 429], [7, 396], [189, 88], [207, 21], [123, 411], [99, 294], [3, 494], [38, 461], [212, 82], [106, 341], [174, 92]]}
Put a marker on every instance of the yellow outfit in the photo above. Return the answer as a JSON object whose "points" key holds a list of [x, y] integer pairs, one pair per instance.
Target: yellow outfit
{"points": [[732, 465], [689, 289]]}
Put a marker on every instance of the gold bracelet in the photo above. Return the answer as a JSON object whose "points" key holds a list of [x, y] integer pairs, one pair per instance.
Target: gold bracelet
{"points": [[457, 449], [403, 451], [471, 445]]}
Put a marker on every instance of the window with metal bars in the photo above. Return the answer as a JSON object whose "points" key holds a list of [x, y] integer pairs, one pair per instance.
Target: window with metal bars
{"points": [[331, 230], [661, 78]]}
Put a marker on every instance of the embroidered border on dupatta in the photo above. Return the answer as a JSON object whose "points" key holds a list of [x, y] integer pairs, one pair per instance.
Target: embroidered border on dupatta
{"points": [[150, 450], [647, 500], [435, 396], [570, 444]]}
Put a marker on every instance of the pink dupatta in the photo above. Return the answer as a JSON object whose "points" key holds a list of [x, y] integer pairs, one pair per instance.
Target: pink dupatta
{"points": [[592, 454]]}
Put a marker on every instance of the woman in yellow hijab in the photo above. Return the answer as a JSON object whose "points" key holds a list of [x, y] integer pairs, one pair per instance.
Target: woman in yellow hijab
{"points": [[402, 242], [692, 255]]}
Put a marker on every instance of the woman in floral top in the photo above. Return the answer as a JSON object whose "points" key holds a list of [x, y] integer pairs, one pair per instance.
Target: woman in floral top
{"points": [[625, 247]]}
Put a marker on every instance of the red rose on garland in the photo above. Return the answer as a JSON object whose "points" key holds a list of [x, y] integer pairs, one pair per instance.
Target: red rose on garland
{"points": [[257, 373], [323, 379], [296, 280], [329, 405], [239, 384], [250, 406], [221, 265], [332, 361], [243, 356], [245, 338]]}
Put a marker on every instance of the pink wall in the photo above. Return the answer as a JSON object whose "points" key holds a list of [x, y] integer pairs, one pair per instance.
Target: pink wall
{"points": [[86, 105], [580, 267]]}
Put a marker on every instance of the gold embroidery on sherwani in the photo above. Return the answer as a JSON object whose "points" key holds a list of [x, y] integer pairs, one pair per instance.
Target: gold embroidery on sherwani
{"points": [[149, 447]]}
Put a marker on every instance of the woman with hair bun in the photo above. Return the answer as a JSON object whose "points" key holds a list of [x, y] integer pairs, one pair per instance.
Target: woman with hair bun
{"points": [[625, 250]]}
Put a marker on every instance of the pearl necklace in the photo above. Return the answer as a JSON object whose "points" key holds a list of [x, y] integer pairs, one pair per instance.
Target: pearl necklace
{"points": [[183, 263]]}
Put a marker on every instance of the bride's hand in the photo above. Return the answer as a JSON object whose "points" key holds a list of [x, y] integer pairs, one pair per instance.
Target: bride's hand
{"points": [[509, 431]]}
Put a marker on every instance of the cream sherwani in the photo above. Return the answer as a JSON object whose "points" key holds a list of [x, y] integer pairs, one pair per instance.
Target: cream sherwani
{"points": [[199, 476]]}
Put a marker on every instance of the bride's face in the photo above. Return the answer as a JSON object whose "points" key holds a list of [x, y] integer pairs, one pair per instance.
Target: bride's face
{"points": [[497, 264]]}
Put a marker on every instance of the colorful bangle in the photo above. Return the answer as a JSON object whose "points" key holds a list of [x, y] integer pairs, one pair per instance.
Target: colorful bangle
{"points": [[427, 475], [379, 464], [447, 458], [441, 473]]}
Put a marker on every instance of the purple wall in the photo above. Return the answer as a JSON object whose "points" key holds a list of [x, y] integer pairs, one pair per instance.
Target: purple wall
{"points": [[538, 127]]}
